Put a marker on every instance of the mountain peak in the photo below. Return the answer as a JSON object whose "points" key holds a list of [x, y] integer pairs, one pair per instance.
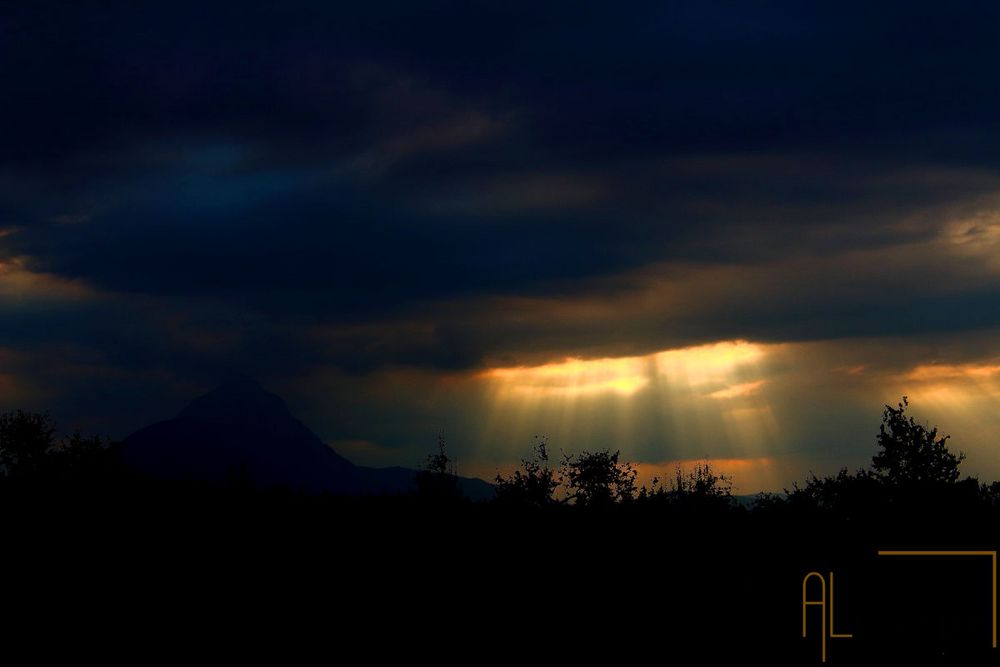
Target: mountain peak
{"points": [[238, 398], [240, 381], [241, 428]]}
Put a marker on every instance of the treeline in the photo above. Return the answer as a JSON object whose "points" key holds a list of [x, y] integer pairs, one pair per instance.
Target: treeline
{"points": [[912, 469], [32, 453]]}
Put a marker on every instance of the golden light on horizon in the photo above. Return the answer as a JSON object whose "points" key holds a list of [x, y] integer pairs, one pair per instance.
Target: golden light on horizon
{"points": [[748, 474]]}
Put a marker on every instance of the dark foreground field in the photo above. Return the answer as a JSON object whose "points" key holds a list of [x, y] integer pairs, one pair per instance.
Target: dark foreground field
{"points": [[194, 573], [564, 563]]}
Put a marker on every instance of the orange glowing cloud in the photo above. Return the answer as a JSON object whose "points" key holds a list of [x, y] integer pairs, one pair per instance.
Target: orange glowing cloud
{"points": [[738, 390], [716, 363], [623, 376], [936, 372], [18, 281], [957, 385]]}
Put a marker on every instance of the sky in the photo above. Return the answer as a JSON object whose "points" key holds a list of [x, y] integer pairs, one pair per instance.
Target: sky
{"points": [[686, 230]]}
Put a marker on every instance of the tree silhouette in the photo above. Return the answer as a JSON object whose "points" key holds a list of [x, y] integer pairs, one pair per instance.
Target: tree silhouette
{"points": [[702, 480], [913, 468], [29, 449], [990, 495], [78, 455], [598, 479], [702, 487], [910, 453], [26, 440], [437, 479], [699, 488], [533, 484], [846, 493]]}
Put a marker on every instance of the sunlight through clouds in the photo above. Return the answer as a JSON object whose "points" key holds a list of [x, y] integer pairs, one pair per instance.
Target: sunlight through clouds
{"points": [[738, 390], [767, 414], [963, 395], [572, 377], [704, 364], [701, 399], [715, 364]]}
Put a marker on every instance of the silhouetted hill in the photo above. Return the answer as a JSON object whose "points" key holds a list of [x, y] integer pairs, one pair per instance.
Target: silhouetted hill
{"points": [[241, 432]]}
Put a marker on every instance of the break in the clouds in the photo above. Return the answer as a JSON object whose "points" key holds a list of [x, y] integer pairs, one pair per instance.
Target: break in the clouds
{"points": [[366, 205]]}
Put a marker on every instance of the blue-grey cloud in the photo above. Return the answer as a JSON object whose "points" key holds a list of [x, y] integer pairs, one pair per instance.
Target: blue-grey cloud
{"points": [[189, 189]]}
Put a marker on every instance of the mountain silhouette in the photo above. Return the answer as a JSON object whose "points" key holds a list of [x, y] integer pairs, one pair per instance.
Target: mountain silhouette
{"points": [[240, 431]]}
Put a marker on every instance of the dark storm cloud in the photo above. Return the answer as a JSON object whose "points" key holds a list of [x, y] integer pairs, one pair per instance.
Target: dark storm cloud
{"points": [[281, 185]]}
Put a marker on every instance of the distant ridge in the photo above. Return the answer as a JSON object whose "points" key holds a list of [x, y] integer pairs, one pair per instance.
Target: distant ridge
{"points": [[241, 431]]}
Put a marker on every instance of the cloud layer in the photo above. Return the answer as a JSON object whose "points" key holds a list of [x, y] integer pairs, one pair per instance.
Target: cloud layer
{"points": [[403, 193]]}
